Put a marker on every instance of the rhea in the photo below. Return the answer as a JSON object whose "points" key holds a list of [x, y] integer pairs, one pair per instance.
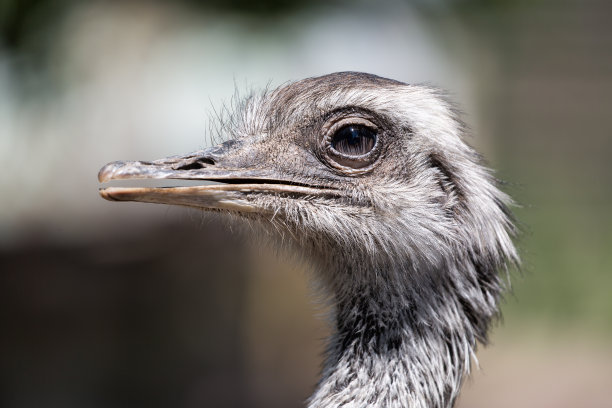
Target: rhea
{"points": [[371, 180]]}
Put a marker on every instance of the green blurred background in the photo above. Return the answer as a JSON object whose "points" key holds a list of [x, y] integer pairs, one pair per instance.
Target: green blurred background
{"points": [[107, 305]]}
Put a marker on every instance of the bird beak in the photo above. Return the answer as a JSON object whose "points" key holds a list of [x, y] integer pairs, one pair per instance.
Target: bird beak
{"points": [[238, 193]]}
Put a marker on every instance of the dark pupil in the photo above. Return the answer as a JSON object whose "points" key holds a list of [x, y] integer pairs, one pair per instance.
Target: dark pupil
{"points": [[354, 140]]}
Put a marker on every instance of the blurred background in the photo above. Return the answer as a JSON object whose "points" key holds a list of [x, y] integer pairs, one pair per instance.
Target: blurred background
{"points": [[127, 305]]}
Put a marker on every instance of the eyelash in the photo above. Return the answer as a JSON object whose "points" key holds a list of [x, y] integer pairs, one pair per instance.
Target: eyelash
{"points": [[344, 140]]}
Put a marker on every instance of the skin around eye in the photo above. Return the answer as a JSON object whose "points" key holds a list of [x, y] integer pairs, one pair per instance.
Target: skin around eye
{"points": [[351, 143]]}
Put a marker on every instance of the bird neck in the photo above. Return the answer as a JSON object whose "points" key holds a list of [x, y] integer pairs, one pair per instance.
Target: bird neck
{"points": [[392, 350]]}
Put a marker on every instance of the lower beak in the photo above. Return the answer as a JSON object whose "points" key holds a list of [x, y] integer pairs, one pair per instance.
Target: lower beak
{"points": [[206, 197]]}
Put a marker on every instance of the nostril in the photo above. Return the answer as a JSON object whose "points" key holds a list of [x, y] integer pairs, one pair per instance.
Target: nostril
{"points": [[197, 164], [206, 160], [191, 166]]}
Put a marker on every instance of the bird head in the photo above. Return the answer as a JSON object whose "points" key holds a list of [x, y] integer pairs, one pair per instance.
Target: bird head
{"points": [[356, 169]]}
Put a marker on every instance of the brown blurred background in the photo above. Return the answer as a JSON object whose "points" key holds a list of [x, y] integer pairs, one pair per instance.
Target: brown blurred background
{"points": [[127, 305]]}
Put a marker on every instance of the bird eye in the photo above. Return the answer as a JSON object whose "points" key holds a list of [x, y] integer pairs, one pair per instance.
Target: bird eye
{"points": [[353, 140]]}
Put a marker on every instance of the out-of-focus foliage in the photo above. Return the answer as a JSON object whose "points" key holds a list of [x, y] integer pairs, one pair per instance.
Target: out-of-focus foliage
{"points": [[23, 22]]}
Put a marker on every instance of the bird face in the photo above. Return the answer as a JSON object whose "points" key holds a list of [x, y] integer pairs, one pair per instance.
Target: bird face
{"points": [[348, 160]]}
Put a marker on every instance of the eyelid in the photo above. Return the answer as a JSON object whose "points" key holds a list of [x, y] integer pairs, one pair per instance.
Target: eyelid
{"points": [[330, 128]]}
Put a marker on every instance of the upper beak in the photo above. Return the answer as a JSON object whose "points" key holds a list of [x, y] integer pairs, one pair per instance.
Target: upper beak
{"points": [[242, 184]]}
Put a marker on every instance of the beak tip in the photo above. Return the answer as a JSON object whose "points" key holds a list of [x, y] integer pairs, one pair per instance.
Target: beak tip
{"points": [[107, 172], [102, 177]]}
